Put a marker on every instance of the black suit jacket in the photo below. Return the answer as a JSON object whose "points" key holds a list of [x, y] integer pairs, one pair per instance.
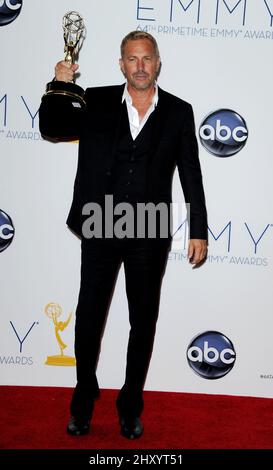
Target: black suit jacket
{"points": [[173, 143]]}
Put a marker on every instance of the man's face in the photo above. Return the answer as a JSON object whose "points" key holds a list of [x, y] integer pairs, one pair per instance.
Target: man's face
{"points": [[140, 64]]}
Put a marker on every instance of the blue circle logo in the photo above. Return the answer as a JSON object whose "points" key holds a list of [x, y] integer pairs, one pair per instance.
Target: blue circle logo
{"points": [[9, 10], [223, 133], [6, 231], [211, 355]]}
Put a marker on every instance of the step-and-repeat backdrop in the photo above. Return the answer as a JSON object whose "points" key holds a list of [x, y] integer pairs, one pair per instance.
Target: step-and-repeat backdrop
{"points": [[215, 325]]}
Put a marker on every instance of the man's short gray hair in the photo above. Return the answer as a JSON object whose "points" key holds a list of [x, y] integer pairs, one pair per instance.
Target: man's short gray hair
{"points": [[134, 35]]}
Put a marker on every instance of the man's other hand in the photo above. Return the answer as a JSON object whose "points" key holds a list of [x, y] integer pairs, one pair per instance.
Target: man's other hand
{"points": [[197, 251]]}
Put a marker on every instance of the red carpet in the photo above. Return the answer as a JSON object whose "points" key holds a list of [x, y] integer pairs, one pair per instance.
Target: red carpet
{"points": [[36, 417]]}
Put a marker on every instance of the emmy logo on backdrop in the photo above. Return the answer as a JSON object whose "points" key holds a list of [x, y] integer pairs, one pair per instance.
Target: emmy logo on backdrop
{"points": [[74, 34], [54, 311]]}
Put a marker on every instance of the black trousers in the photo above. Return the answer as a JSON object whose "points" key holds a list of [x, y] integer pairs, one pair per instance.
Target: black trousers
{"points": [[144, 265]]}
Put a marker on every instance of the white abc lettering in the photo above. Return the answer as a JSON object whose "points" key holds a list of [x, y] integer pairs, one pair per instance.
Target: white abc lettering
{"points": [[207, 136], [194, 358], [208, 350], [10, 5], [227, 351], [214, 354], [235, 134], [222, 132], [6, 236]]}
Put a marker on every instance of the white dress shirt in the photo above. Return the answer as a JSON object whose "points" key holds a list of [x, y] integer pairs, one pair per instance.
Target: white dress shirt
{"points": [[135, 123]]}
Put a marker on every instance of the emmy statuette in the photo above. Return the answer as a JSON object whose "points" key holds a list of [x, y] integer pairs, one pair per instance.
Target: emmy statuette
{"points": [[74, 32]]}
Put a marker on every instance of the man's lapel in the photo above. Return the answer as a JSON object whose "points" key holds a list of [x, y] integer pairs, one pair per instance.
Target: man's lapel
{"points": [[161, 117], [115, 111]]}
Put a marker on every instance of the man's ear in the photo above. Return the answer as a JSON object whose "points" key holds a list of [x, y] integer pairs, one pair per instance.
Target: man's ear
{"points": [[121, 65], [158, 68]]}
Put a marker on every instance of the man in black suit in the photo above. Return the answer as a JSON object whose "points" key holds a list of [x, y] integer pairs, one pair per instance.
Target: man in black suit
{"points": [[131, 137]]}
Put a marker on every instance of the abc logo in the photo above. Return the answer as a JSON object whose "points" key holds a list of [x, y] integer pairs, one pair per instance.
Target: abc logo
{"points": [[6, 231], [223, 133], [211, 355], [9, 10]]}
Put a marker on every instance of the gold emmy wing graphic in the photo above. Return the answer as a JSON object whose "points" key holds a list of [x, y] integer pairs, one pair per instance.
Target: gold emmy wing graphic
{"points": [[54, 311]]}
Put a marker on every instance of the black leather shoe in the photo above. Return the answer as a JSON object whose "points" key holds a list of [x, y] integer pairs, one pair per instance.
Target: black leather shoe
{"points": [[131, 428], [78, 426]]}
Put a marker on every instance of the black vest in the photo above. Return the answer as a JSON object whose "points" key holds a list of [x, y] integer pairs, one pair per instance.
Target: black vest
{"points": [[131, 160]]}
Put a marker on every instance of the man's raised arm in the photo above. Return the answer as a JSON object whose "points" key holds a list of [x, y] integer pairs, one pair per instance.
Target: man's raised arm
{"points": [[60, 119]]}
